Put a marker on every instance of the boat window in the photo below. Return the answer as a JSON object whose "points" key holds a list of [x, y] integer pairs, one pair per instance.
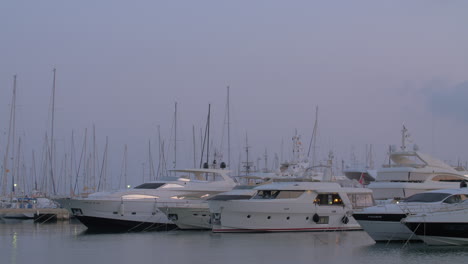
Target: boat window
{"points": [[172, 185], [448, 178], [361, 200], [267, 194], [138, 196], [323, 220], [226, 197], [153, 185], [328, 199], [426, 197], [455, 198], [289, 194]]}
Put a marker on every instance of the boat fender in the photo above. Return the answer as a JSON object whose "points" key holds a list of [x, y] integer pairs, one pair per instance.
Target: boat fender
{"points": [[316, 218], [345, 220]]}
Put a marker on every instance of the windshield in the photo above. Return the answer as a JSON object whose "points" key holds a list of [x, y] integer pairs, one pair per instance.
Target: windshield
{"points": [[426, 197], [152, 185]]}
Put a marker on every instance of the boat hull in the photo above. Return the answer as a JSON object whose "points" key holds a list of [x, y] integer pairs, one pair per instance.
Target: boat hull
{"points": [[113, 215], [441, 233], [385, 227], [244, 216], [195, 216]]}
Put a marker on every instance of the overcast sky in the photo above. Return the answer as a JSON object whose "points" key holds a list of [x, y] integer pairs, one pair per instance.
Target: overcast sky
{"points": [[370, 66]]}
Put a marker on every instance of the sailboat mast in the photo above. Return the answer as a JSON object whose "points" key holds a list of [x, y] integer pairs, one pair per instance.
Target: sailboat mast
{"points": [[313, 140], [175, 136], [10, 131], [52, 137], [125, 166], [208, 140], [229, 130], [194, 150]]}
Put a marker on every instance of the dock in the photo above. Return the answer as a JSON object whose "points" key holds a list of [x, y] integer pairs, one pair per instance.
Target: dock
{"points": [[40, 215]]}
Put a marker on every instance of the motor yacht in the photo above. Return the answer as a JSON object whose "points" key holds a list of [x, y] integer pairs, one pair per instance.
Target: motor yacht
{"points": [[291, 206], [445, 227], [137, 209], [411, 172], [383, 222]]}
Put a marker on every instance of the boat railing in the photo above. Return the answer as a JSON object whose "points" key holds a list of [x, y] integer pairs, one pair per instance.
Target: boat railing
{"points": [[423, 208]]}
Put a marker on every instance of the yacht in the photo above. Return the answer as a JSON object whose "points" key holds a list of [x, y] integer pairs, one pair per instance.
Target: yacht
{"points": [[412, 172], [445, 227], [137, 209], [197, 215], [291, 206], [383, 222]]}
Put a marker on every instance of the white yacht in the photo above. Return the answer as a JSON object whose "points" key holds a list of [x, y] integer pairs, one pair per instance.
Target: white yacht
{"points": [[445, 227], [197, 215], [291, 206], [411, 172], [383, 222], [137, 209]]}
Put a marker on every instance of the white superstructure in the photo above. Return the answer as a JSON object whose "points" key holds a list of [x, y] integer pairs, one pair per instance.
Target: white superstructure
{"points": [[411, 172]]}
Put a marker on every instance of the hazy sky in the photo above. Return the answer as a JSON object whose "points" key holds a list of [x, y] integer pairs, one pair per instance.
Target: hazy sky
{"points": [[370, 66]]}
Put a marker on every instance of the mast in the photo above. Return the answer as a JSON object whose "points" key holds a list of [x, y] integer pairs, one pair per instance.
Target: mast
{"points": [[10, 132], [72, 159], [151, 164], [93, 181], [194, 151], [125, 166], [102, 174], [51, 155], [175, 135], [313, 140], [33, 170], [208, 141], [15, 183], [229, 130]]}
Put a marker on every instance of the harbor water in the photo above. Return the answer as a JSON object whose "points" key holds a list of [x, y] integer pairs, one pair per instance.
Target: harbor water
{"points": [[23, 241]]}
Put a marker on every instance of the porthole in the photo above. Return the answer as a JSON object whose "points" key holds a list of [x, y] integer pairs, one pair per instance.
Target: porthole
{"points": [[133, 213], [269, 217], [287, 218], [248, 216]]}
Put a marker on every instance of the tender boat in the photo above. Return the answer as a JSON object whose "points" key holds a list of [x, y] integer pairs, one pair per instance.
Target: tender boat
{"points": [[137, 209], [383, 222], [292, 206]]}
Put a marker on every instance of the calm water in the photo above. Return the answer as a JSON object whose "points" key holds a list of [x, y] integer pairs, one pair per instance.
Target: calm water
{"points": [[68, 242]]}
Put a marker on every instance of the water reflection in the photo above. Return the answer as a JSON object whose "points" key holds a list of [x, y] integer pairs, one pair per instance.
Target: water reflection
{"points": [[70, 242]]}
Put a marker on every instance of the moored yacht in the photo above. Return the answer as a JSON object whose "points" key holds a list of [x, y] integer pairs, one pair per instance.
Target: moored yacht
{"points": [[445, 227], [291, 206], [411, 172], [383, 222], [137, 209]]}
